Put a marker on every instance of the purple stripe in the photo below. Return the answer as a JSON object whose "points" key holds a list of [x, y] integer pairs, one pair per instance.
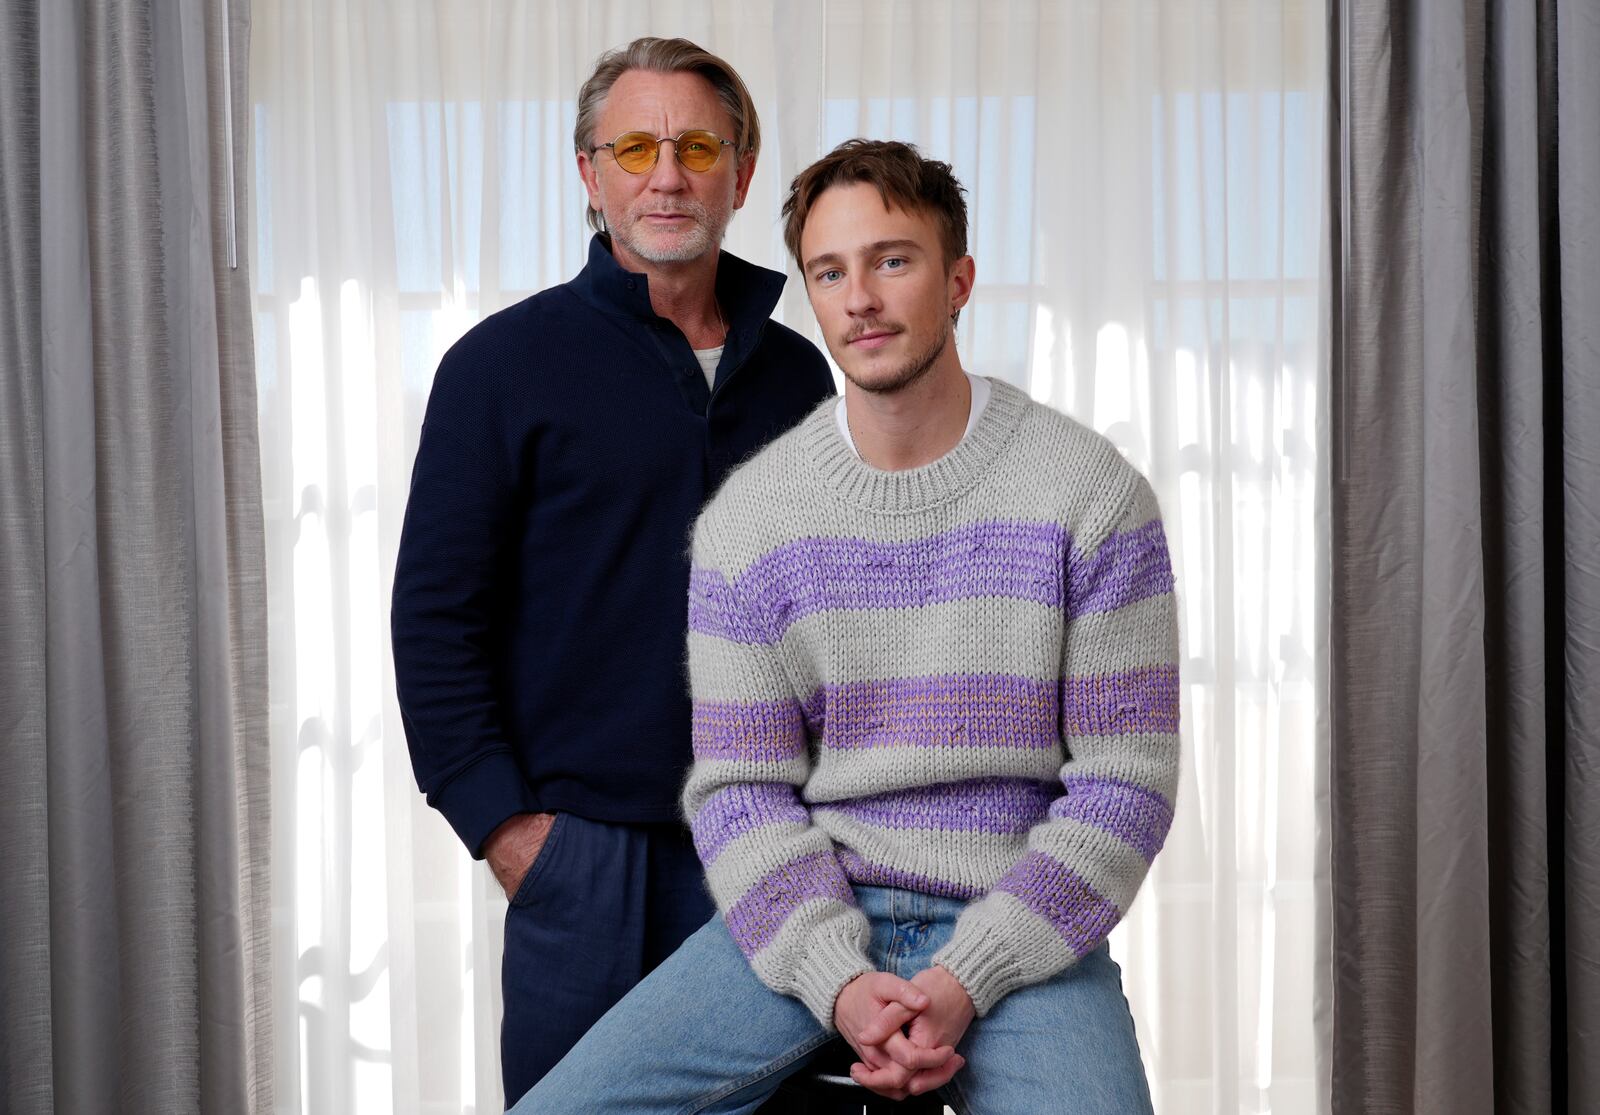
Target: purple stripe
{"points": [[735, 810], [956, 710], [1062, 898], [867, 874], [815, 710], [1141, 700], [756, 918], [1130, 566], [713, 609], [1018, 560], [1003, 805], [1133, 814], [760, 731]]}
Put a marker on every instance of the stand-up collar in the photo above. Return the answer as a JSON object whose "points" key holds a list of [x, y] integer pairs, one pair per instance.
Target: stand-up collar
{"points": [[747, 294]]}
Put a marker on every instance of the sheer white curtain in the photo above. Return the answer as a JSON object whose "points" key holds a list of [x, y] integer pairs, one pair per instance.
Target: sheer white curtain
{"points": [[1145, 182]]}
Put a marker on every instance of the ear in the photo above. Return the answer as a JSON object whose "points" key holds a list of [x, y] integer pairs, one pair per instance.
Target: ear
{"points": [[962, 272], [589, 171], [747, 171]]}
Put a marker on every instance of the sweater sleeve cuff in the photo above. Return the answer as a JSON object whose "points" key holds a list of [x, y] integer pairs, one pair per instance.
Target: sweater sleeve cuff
{"points": [[482, 796], [835, 956], [982, 963]]}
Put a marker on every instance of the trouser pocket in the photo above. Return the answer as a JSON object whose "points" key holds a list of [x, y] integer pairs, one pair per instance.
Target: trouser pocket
{"points": [[527, 889]]}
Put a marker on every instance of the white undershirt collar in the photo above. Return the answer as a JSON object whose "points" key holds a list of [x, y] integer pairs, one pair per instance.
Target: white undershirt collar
{"points": [[709, 359]]}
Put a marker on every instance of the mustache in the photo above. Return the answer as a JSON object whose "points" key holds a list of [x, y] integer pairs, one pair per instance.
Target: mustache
{"points": [[686, 207], [872, 327]]}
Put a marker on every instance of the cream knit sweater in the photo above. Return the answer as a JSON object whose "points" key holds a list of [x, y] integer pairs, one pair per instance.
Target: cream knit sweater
{"points": [[959, 679]]}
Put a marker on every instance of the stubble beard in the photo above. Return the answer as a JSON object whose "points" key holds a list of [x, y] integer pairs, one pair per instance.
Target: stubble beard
{"points": [[706, 236], [908, 373]]}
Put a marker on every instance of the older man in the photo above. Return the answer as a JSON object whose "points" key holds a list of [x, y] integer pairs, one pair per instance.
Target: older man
{"points": [[538, 615]]}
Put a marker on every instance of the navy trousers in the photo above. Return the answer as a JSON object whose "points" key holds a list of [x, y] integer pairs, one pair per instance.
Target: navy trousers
{"points": [[602, 905]]}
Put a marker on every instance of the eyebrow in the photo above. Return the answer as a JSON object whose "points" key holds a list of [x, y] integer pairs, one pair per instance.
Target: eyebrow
{"points": [[873, 248]]}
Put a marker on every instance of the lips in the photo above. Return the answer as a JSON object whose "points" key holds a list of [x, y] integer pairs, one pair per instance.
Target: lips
{"points": [[873, 338], [681, 214]]}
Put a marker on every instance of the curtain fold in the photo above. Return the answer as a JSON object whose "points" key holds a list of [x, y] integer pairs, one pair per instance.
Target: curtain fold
{"points": [[1577, 213], [1145, 184], [25, 1054], [1463, 711], [133, 610]]}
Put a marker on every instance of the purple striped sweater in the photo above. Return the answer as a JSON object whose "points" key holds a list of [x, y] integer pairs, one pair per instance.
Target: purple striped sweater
{"points": [[960, 679]]}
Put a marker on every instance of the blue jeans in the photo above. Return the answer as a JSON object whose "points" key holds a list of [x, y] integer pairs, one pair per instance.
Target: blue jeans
{"points": [[702, 1034]]}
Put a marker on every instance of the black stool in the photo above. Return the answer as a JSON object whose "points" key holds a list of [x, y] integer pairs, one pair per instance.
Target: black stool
{"points": [[824, 1087]]}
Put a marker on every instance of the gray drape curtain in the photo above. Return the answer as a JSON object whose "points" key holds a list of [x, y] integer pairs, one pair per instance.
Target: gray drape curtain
{"points": [[132, 615], [1465, 557]]}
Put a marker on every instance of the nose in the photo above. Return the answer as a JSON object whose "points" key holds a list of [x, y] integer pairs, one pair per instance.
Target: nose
{"points": [[861, 296], [667, 175]]}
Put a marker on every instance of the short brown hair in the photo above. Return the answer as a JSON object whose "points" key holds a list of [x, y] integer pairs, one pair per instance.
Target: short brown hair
{"points": [[665, 56], [903, 177]]}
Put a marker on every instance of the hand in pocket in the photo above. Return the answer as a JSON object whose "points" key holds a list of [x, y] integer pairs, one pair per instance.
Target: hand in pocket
{"points": [[512, 848]]}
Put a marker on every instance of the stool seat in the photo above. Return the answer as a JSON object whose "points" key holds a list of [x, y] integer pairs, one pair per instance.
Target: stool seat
{"points": [[824, 1087]]}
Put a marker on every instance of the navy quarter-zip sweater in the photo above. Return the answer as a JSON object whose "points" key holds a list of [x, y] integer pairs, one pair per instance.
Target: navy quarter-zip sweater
{"points": [[540, 598]]}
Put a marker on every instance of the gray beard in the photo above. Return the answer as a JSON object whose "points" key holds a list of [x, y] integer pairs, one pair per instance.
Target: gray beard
{"points": [[909, 372], [707, 237]]}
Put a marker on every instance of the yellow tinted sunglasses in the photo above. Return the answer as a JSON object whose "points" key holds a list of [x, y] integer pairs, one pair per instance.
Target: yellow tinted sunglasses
{"points": [[698, 150]]}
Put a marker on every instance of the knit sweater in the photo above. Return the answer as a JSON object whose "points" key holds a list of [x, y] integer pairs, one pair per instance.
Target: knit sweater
{"points": [[959, 679]]}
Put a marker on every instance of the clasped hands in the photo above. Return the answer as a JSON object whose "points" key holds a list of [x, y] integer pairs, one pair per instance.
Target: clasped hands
{"points": [[904, 1031]]}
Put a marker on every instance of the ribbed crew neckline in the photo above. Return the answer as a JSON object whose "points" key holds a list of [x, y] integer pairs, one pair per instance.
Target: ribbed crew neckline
{"points": [[914, 489]]}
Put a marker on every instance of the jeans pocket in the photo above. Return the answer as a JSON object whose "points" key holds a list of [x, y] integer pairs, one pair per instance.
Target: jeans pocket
{"points": [[530, 878]]}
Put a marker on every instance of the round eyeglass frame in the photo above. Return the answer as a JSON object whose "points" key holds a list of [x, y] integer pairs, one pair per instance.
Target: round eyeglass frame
{"points": [[677, 149]]}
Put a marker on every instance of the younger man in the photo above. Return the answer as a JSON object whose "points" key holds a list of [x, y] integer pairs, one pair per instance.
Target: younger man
{"points": [[932, 647]]}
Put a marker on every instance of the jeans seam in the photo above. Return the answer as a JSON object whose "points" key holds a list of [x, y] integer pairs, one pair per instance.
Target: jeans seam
{"points": [[892, 953], [756, 1077]]}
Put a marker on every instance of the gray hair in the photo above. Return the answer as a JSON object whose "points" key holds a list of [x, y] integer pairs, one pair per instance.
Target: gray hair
{"points": [[664, 56]]}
